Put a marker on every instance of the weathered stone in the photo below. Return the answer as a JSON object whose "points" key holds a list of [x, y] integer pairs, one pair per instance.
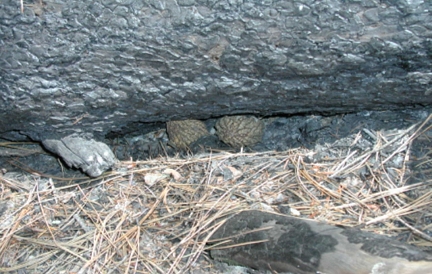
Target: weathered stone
{"points": [[183, 133], [240, 131]]}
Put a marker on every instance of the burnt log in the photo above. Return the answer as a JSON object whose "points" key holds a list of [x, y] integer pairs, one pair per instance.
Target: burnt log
{"points": [[102, 67], [279, 243]]}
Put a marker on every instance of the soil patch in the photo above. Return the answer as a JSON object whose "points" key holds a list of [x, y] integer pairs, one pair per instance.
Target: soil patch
{"points": [[156, 215]]}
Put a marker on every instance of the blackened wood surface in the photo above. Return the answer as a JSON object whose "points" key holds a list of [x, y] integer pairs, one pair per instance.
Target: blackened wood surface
{"points": [[287, 244], [101, 66]]}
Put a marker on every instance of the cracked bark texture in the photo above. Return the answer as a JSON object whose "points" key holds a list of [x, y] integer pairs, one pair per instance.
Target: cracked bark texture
{"points": [[282, 244], [105, 66]]}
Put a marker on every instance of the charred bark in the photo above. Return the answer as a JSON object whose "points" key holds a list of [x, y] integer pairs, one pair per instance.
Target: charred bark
{"points": [[105, 67], [279, 243]]}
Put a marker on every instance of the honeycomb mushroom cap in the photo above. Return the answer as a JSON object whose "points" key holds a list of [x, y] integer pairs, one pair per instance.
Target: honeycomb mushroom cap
{"points": [[240, 131], [183, 133]]}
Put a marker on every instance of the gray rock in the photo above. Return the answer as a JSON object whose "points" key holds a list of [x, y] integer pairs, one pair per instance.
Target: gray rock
{"points": [[90, 156]]}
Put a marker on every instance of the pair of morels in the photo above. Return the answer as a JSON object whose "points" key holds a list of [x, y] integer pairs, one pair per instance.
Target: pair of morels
{"points": [[235, 131]]}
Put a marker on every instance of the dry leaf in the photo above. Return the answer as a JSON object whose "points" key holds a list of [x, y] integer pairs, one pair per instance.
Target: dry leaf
{"points": [[152, 178], [235, 172], [174, 173], [294, 212]]}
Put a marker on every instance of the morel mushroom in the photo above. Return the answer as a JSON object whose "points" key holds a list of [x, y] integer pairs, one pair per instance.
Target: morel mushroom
{"points": [[183, 133], [240, 131]]}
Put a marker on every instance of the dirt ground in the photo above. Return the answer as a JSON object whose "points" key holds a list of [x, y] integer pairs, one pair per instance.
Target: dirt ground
{"points": [[155, 211]]}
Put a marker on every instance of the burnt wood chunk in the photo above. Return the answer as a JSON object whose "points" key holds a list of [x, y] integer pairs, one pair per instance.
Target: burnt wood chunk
{"points": [[279, 243], [82, 152]]}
